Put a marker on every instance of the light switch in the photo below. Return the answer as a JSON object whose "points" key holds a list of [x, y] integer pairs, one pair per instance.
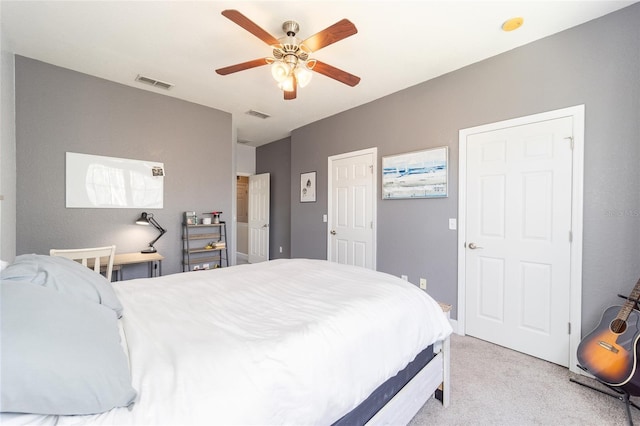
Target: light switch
{"points": [[452, 223], [324, 218]]}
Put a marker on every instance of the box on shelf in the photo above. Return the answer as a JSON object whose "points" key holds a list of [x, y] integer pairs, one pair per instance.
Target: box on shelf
{"points": [[190, 218]]}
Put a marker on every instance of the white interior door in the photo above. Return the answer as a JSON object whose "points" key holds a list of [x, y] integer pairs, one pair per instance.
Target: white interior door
{"points": [[351, 224], [518, 237], [259, 218]]}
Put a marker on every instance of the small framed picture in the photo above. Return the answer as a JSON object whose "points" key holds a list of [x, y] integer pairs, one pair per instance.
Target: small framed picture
{"points": [[308, 187]]}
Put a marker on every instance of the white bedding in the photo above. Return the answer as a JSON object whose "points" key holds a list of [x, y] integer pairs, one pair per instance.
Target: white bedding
{"points": [[281, 342]]}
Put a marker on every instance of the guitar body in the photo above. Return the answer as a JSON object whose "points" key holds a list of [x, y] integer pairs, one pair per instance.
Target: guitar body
{"points": [[613, 356]]}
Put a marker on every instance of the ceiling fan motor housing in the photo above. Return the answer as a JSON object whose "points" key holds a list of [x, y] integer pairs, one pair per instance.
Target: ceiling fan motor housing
{"points": [[290, 27], [289, 50]]}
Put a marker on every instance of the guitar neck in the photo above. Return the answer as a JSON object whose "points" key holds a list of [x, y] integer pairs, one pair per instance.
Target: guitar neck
{"points": [[630, 303]]}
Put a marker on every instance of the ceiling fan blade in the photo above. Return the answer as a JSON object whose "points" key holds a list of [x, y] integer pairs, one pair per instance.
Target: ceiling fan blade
{"points": [[336, 32], [241, 67], [293, 93], [288, 96], [336, 74], [250, 26]]}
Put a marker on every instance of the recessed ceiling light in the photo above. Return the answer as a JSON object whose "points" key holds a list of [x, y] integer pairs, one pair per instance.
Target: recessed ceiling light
{"points": [[513, 24]]}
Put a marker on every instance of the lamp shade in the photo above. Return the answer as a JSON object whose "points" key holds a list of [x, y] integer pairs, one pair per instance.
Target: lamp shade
{"points": [[143, 219]]}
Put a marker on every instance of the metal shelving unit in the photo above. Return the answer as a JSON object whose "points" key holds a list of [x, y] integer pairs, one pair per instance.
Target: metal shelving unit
{"points": [[204, 246]]}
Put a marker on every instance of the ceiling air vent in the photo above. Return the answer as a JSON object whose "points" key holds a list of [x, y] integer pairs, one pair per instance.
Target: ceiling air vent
{"points": [[154, 82], [258, 114]]}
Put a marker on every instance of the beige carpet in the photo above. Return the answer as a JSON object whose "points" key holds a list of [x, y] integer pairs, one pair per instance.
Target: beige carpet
{"points": [[491, 385]]}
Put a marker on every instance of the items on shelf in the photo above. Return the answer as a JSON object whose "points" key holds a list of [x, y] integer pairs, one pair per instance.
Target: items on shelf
{"points": [[215, 245], [215, 217], [190, 218]]}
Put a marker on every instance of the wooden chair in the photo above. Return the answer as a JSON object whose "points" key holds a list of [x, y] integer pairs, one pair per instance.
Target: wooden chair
{"points": [[97, 258]]}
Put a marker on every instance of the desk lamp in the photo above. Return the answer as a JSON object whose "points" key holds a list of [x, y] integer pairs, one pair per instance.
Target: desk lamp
{"points": [[147, 219]]}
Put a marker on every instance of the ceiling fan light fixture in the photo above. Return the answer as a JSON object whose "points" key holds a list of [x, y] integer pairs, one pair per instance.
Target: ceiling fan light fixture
{"points": [[303, 75], [280, 71], [287, 84]]}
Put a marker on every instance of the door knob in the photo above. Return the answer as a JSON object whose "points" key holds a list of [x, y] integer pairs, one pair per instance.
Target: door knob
{"points": [[333, 232], [473, 246]]}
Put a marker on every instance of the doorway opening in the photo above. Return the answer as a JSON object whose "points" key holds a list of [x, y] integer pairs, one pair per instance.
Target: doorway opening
{"points": [[242, 234]]}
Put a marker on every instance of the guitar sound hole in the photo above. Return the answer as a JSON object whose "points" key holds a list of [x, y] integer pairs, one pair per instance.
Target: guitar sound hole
{"points": [[618, 326]]}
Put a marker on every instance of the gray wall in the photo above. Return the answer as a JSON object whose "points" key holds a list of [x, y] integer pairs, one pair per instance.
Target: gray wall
{"points": [[245, 159], [275, 158], [596, 64], [59, 110]]}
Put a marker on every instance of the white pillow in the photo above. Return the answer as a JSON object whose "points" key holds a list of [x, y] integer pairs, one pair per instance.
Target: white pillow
{"points": [[65, 276], [60, 354]]}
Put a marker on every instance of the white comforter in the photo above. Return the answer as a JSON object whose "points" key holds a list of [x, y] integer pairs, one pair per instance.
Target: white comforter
{"points": [[282, 342]]}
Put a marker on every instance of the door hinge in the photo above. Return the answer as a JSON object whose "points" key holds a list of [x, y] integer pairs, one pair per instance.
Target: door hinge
{"points": [[569, 328], [570, 236], [570, 140], [371, 224], [371, 168]]}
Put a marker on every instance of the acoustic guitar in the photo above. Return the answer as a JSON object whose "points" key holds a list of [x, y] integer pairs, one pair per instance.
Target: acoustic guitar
{"points": [[610, 352]]}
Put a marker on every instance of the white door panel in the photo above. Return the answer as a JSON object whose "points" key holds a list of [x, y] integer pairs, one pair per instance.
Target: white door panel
{"points": [[518, 215], [259, 218], [352, 188], [490, 284]]}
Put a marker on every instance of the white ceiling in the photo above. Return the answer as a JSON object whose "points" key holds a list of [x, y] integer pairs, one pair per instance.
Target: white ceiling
{"points": [[399, 44]]}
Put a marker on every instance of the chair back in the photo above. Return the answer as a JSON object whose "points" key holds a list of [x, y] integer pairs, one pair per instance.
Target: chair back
{"points": [[97, 258]]}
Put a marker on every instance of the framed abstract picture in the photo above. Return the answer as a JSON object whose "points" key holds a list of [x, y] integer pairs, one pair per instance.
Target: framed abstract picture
{"points": [[308, 187], [420, 174]]}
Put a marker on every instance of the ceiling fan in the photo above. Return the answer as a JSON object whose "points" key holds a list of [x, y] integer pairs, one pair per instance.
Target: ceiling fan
{"points": [[291, 65]]}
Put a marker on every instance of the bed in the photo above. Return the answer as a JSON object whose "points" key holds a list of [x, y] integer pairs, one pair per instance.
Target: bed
{"points": [[294, 341]]}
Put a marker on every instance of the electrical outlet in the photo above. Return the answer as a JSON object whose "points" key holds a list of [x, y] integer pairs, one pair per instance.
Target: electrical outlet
{"points": [[280, 249], [205, 266], [404, 277], [423, 283]]}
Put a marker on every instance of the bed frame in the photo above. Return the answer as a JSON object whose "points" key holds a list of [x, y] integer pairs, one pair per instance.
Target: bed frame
{"points": [[410, 399]]}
